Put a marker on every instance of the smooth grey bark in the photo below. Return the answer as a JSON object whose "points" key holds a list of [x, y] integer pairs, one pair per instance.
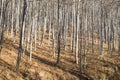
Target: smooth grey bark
{"points": [[77, 31], [85, 42], [3, 19], [92, 13], [59, 36], [101, 29], [21, 34], [71, 44], [44, 30]]}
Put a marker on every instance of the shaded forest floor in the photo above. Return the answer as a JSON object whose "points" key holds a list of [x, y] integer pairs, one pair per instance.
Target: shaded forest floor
{"points": [[42, 66]]}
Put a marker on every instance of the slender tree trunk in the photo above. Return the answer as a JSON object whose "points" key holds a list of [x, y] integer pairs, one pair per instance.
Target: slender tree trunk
{"points": [[44, 30], [20, 44], [77, 31], [3, 17], [49, 34], [59, 36]]}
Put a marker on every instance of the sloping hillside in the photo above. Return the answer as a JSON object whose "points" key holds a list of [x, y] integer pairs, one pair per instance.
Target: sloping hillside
{"points": [[42, 66]]}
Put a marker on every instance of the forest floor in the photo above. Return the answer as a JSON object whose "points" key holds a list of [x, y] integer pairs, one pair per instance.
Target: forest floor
{"points": [[42, 66]]}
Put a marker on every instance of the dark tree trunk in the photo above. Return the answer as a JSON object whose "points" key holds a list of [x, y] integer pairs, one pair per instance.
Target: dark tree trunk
{"points": [[3, 13], [20, 44], [59, 36]]}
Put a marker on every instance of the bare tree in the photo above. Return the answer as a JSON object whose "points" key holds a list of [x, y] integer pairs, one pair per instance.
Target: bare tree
{"points": [[20, 45]]}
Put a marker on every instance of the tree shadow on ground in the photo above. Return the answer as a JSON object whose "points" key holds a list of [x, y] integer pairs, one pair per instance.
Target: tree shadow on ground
{"points": [[50, 63], [7, 65]]}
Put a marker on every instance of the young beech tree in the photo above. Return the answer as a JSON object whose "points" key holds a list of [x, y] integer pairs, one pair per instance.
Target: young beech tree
{"points": [[21, 34], [59, 36], [2, 21]]}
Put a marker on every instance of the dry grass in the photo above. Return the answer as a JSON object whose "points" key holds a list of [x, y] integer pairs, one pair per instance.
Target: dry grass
{"points": [[42, 66]]}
